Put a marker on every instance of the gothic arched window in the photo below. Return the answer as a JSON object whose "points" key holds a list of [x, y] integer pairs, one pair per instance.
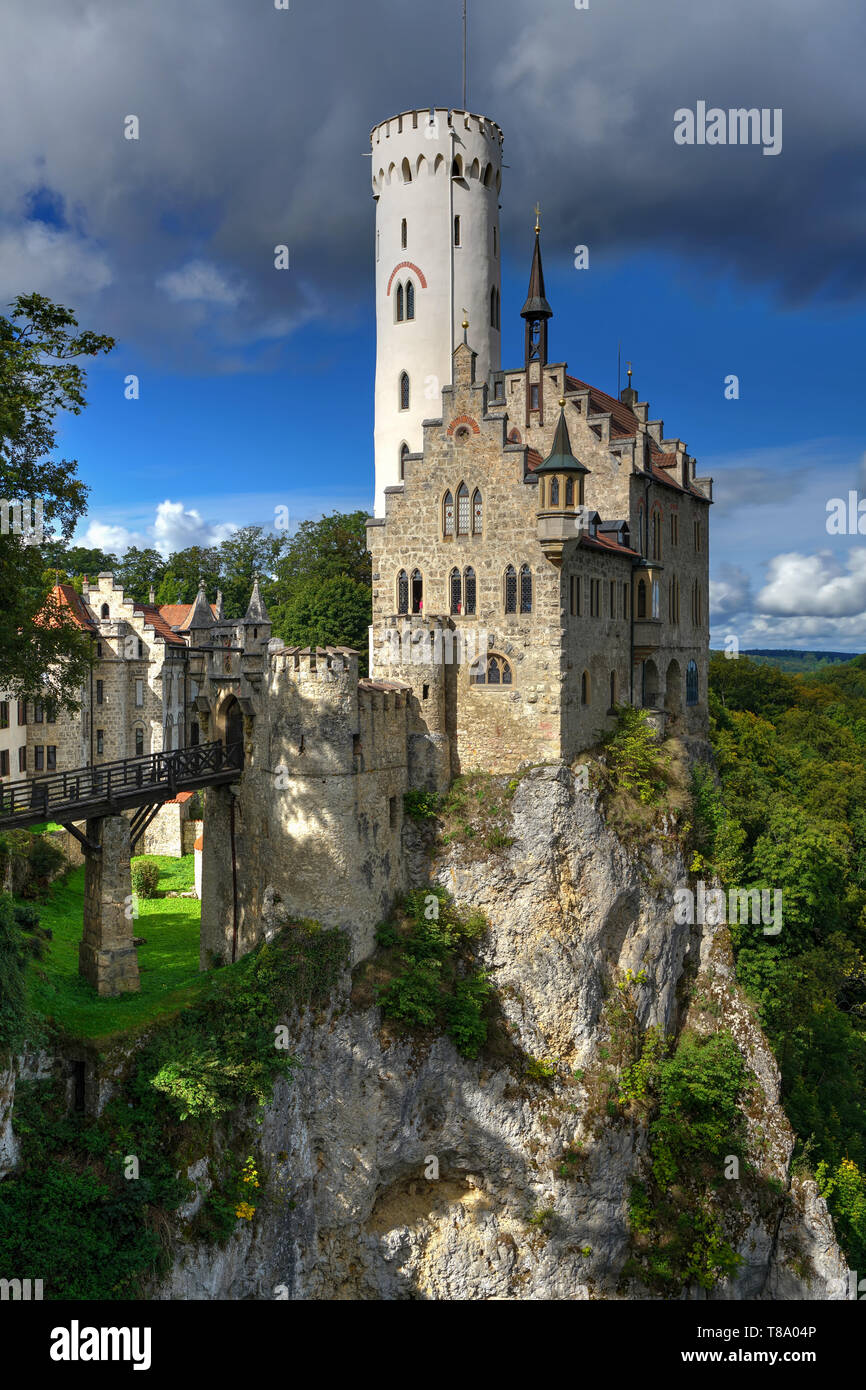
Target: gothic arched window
{"points": [[641, 598], [510, 589], [455, 587], [691, 683], [404, 454], [525, 589], [569, 492], [469, 590], [410, 300], [398, 311], [463, 510], [407, 171], [105, 611], [404, 391], [656, 534], [417, 592], [490, 670], [554, 492], [477, 513], [402, 592], [448, 515], [139, 742]]}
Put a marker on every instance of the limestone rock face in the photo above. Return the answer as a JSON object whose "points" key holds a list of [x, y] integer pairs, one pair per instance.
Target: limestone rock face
{"points": [[396, 1170]]}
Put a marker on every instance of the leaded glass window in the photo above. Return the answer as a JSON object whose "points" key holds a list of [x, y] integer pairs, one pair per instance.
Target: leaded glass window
{"points": [[448, 515], [402, 592], [511, 590], [477, 513], [525, 589], [456, 591], [463, 510], [469, 591]]}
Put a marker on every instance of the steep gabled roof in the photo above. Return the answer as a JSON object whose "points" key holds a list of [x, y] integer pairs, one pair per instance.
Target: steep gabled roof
{"points": [[72, 604]]}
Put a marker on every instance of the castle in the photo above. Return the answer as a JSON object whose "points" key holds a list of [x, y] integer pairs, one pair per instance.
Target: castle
{"points": [[540, 557]]}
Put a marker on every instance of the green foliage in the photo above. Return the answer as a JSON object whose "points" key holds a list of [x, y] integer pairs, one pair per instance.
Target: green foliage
{"points": [[71, 1212], [431, 982], [695, 1096], [791, 754], [845, 1190], [476, 812], [421, 805], [145, 878], [40, 377], [13, 959], [322, 589], [634, 763]]}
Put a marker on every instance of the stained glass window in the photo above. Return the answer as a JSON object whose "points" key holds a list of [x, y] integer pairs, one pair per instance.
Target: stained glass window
{"points": [[525, 589], [463, 510], [511, 590], [469, 591]]}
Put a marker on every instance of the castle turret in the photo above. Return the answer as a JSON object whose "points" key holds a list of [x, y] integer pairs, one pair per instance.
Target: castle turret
{"points": [[537, 313], [560, 492], [436, 181]]}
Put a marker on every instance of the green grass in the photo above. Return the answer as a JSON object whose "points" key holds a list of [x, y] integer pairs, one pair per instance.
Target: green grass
{"points": [[46, 825], [168, 963]]}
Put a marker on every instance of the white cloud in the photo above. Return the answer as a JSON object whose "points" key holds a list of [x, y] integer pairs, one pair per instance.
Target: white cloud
{"points": [[174, 527], [201, 282], [32, 254], [816, 586]]}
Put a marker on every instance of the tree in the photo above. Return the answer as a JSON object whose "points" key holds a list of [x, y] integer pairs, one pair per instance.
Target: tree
{"points": [[336, 613], [248, 552], [184, 570], [40, 376], [332, 547], [138, 570], [322, 592]]}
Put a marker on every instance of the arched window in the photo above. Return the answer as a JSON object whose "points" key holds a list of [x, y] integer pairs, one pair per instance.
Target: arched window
{"points": [[613, 689], [641, 598], [691, 683], [477, 513], [584, 688], [402, 592], [569, 492], [398, 304], [410, 300], [404, 454], [139, 742], [490, 670], [525, 589], [407, 171], [554, 492], [515, 437], [455, 590], [469, 590], [463, 510], [417, 592], [510, 589], [404, 391], [448, 515], [656, 534], [194, 734], [105, 611], [457, 168], [404, 234], [657, 605]]}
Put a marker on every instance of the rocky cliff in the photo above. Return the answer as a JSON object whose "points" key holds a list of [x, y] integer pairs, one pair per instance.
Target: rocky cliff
{"points": [[394, 1168]]}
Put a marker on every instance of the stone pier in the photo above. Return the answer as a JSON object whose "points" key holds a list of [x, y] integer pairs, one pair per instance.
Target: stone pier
{"points": [[106, 955]]}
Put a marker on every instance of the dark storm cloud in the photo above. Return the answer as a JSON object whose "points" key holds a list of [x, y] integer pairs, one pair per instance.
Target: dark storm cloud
{"points": [[254, 122]]}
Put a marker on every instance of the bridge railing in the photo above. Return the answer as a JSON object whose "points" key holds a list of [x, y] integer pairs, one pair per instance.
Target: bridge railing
{"points": [[163, 772]]}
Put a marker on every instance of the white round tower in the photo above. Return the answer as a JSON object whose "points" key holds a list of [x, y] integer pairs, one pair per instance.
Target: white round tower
{"points": [[436, 181]]}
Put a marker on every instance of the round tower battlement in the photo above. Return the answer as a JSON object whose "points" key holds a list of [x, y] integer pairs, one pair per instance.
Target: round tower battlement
{"points": [[436, 178]]}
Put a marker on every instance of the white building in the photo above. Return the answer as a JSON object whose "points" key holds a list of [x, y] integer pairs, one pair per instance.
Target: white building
{"points": [[436, 181]]}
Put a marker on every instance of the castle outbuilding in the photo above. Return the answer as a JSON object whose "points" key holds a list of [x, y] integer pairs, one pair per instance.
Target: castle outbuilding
{"points": [[553, 529]]}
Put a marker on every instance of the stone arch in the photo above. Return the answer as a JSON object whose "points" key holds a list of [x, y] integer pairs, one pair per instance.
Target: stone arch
{"points": [[229, 724], [487, 176], [392, 169], [650, 694], [422, 164], [674, 689], [475, 170], [406, 171]]}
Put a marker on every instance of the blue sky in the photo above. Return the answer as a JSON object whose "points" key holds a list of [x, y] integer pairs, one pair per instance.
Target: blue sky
{"points": [[703, 262]]}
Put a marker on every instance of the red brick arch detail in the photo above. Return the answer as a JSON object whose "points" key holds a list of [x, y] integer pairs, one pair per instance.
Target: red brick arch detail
{"points": [[464, 420], [408, 265]]}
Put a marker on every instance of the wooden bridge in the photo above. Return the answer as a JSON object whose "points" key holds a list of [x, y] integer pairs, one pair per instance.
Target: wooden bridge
{"points": [[141, 784]]}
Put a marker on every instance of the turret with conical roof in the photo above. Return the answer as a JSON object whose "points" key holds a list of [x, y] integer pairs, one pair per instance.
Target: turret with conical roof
{"points": [[256, 623], [560, 492]]}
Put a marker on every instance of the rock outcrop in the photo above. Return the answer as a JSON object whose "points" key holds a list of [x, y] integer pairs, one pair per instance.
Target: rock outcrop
{"points": [[396, 1169]]}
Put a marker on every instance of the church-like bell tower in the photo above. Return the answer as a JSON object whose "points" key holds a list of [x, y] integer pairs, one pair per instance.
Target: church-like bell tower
{"points": [[537, 314], [436, 176]]}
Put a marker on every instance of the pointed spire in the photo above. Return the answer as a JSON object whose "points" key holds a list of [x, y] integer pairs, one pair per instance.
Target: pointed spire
{"points": [[219, 604], [200, 614], [536, 306], [257, 613], [561, 459]]}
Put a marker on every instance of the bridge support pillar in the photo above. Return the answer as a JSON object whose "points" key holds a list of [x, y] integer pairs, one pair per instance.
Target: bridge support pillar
{"points": [[106, 956]]}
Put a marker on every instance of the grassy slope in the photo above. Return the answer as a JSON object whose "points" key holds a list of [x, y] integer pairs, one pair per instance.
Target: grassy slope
{"points": [[168, 963]]}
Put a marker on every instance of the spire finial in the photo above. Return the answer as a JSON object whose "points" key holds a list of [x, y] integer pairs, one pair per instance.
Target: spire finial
{"points": [[465, 326], [537, 218], [628, 364]]}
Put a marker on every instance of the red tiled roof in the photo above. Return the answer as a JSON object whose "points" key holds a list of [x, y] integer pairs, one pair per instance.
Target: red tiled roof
{"points": [[599, 542], [175, 614], [623, 422], [154, 617], [66, 597], [533, 459]]}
